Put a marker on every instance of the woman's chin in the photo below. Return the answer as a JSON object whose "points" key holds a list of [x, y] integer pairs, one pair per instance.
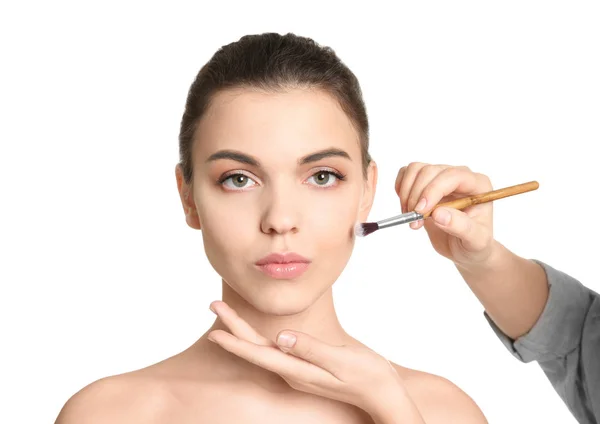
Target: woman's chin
{"points": [[281, 306], [281, 303], [281, 298]]}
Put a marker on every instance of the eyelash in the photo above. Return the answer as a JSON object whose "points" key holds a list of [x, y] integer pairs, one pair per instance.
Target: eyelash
{"points": [[339, 176]]}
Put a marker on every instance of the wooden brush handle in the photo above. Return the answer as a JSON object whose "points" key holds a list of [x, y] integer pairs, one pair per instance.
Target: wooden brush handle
{"points": [[486, 197]]}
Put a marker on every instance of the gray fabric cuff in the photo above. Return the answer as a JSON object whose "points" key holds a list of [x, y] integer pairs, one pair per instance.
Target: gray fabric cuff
{"points": [[558, 330]]}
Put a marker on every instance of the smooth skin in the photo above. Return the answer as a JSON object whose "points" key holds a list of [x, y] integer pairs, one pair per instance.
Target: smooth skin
{"points": [[286, 199]]}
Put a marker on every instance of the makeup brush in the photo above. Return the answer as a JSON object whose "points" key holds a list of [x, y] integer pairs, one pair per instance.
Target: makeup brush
{"points": [[367, 228]]}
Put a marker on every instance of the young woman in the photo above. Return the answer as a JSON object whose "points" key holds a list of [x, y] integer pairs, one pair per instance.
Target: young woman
{"points": [[275, 172]]}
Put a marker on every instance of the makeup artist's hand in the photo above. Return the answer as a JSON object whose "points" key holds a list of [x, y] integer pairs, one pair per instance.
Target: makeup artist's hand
{"points": [[350, 374], [466, 236]]}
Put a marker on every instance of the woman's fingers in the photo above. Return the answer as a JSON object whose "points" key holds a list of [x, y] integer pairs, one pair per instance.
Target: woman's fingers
{"points": [[312, 350], [239, 327], [273, 359], [299, 344]]}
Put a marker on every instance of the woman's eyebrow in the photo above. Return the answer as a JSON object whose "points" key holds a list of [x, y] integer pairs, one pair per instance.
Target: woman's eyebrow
{"points": [[234, 155], [249, 160], [322, 154]]}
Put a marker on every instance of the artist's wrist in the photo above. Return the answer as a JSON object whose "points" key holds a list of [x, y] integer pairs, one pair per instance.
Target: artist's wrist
{"points": [[499, 258]]}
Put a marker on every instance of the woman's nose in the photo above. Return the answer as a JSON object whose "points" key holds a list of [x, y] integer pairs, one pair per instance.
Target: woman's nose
{"points": [[281, 213]]}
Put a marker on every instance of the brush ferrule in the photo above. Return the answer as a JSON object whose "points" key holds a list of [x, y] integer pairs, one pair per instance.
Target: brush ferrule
{"points": [[400, 219]]}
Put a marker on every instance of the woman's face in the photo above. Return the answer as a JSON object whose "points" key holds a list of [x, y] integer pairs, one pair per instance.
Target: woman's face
{"points": [[277, 173]]}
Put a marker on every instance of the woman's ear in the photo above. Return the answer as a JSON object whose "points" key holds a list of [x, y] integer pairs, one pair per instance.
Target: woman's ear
{"points": [[370, 186], [187, 199]]}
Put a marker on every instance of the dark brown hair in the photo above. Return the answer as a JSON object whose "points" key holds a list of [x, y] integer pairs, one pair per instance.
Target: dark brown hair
{"points": [[272, 61]]}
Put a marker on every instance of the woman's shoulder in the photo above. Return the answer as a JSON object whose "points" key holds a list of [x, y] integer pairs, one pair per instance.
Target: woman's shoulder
{"points": [[439, 399], [138, 396]]}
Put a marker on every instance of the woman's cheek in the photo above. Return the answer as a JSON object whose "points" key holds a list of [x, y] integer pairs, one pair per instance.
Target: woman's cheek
{"points": [[333, 220], [225, 229]]}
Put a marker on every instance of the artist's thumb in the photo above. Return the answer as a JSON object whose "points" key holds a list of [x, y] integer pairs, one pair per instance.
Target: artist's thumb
{"points": [[474, 236]]}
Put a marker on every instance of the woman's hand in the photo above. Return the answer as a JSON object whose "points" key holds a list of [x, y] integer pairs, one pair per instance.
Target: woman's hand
{"points": [[350, 374], [465, 237]]}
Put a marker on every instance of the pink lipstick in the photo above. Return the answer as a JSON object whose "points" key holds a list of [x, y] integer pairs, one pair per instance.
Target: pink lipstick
{"points": [[283, 266]]}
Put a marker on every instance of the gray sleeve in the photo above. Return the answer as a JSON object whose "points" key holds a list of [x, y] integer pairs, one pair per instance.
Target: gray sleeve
{"points": [[565, 342]]}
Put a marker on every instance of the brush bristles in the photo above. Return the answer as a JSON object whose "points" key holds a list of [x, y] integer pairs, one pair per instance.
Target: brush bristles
{"points": [[362, 230]]}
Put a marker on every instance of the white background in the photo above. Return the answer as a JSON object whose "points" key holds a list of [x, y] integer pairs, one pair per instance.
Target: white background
{"points": [[100, 274]]}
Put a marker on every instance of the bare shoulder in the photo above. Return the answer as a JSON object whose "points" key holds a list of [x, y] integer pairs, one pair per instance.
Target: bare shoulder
{"points": [[439, 400], [127, 398]]}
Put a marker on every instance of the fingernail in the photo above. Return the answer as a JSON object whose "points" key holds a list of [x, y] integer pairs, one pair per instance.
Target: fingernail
{"points": [[211, 307], [442, 217], [421, 205], [413, 225], [286, 340]]}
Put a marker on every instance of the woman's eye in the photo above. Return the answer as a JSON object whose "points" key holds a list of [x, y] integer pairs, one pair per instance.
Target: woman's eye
{"points": [[238, 181], [325, 178]]}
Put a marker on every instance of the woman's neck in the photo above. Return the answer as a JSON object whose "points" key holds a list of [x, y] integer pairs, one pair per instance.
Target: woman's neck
{"points": [[319, 320]]}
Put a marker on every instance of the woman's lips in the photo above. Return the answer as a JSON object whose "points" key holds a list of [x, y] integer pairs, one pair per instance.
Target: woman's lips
{"points": [[285, 271], [283, 266]]}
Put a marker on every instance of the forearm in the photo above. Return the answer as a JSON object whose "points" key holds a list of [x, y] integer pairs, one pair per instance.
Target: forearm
{"points": [[513, 290]]}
